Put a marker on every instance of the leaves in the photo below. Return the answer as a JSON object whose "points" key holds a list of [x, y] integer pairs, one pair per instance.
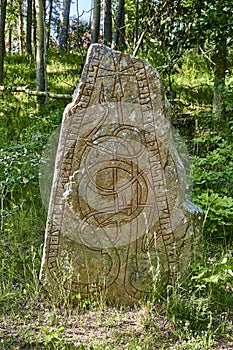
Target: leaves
{"points": [[215, 271]]}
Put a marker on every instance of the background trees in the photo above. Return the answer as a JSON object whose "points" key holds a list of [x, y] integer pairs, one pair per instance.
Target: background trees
{"points": [[216, 22], [161, 31]]}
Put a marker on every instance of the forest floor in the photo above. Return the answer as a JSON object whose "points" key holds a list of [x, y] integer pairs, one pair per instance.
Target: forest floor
{"points": [[43, 327]]}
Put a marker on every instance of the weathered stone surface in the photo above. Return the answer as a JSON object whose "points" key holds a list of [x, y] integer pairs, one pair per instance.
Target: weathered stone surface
{"points": [[118, 213]]}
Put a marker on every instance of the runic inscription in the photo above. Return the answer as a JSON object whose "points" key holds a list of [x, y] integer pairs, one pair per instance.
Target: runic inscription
{"points": [[117, 208]]}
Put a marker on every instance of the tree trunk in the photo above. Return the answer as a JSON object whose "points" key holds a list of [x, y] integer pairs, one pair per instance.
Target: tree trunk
{"points": [[29, 28], [40, 50], [34, 27], [20, 28], [91, 13], [119, 28], [122, 44], [136, 21], [2, 37], [49, 22], [77, 11], [10, 39], [220, 60], [64, 28], [107, 6], [95, 24]]}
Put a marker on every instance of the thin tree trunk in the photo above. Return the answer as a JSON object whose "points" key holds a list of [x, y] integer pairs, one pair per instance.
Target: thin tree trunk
{"points": [[77, 10], [95, 24], [91, 13], [29, 28], [20, 28], [10, 39], [40, 50], [136, 21], [34, 27], [107, 7], [220, 60], [49, 22], [64, 29], [119, 31], [2, 37], [122, 30], [10, 29]]}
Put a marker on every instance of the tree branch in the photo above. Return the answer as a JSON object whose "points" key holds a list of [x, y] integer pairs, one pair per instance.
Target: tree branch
{"points": [[141, 37], [205, 54], [34, 93]]}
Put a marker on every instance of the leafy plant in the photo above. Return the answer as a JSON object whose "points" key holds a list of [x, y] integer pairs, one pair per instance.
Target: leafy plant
{"points": [[53, 339], [216, 272]]}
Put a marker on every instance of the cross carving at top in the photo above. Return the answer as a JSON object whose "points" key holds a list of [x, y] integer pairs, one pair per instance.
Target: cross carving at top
{"points": [[116, 71]]}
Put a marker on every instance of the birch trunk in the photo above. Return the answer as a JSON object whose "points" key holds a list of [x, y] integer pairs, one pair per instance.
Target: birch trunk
{"points": [[20, 28], [2, 37], [64, 29], [40, 50], [49, 22]]}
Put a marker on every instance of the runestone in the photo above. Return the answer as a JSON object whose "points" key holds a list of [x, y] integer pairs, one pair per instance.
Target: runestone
{"points": [[118, 220]]}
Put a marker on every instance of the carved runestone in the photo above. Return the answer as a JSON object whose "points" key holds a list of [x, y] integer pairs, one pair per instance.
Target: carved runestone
{"points": [[118, 216]]}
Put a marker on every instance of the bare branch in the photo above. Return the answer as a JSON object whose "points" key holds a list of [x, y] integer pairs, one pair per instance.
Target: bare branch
{"points": [[34, 93], [205, 54], [141, 38]]}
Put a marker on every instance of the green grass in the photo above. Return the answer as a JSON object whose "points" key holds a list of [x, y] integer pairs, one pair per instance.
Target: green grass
{"points": [[195, 313]]}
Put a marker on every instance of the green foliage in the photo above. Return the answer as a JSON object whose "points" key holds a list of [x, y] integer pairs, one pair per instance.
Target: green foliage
{"points": [[227, 95], [216, 272], [218, 215], [193, 69], [216, 19], [213, 183], [192, 304], [19, 166], [172, 27], [63, 71], [214, 164], [53, 340], [211, 148], [19, 71], [20, 251]]}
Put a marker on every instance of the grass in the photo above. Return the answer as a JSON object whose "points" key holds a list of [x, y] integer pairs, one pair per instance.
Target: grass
{"points": [[195, 313]]}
